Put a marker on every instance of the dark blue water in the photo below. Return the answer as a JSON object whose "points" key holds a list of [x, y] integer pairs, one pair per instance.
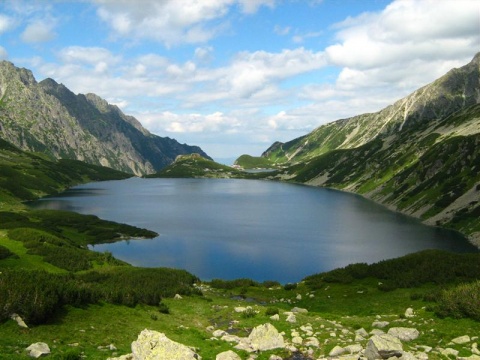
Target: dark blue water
{"points": [[257, 229]]}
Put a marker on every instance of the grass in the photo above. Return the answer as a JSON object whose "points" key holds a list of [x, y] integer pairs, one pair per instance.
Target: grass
{"points": [[105, 324]]}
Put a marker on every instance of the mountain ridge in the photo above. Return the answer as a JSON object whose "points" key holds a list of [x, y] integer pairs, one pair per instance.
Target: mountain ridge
{"points": [[419, 156], [47, 117]]}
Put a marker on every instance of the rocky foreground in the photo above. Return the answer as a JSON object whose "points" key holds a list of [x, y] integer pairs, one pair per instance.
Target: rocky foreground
{"points": [[391, 337]]}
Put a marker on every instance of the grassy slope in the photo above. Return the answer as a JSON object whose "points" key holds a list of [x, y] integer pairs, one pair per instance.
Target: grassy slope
{"points": [[254, 162], [436, 180]]}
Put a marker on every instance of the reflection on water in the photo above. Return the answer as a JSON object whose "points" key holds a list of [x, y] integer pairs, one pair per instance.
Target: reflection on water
{"points": [[256, 229]]}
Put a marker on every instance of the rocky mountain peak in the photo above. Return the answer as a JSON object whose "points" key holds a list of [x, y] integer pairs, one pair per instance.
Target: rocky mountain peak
{"points": [[48, 117]]}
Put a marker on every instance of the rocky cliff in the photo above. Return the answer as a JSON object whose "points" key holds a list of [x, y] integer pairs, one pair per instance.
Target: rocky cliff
{"points": [[47, 117]]}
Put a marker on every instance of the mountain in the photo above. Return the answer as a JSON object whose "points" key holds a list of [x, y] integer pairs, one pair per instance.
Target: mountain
{"points": [[47, 117], [420, 156], [26, 176]]}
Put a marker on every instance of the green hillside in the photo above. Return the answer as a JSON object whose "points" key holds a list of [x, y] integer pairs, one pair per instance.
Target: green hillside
{"points": [[419, 156]]}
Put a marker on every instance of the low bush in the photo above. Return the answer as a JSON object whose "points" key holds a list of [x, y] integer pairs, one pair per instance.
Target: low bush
{"points": [[463, 301]]}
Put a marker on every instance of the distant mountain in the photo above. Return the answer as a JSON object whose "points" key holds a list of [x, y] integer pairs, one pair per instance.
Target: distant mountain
{"points": [[47, 117], [420, 156]]}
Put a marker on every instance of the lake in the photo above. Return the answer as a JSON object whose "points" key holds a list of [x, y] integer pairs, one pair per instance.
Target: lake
{"points": [[225, 228]]}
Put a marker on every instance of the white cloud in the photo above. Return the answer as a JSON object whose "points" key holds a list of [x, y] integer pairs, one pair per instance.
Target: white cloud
{"points": [[87, 55], [406, 30], [6, 23], [172, 21], [39, 31]]}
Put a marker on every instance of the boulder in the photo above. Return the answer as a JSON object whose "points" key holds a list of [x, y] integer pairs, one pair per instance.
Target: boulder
{"points": [[380, 324], [409, 313], [154, 345], [265, 337], [383, 346], [228, 355], [404, 334], [336, 351], [461, 340], [354, 348], [299, 310], [38, 349]]}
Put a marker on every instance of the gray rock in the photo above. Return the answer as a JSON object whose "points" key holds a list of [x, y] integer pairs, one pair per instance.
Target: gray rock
{"points": [[266, 337], [383, 346], [408, 356], [354, 348], [299, 310], [291, 318], [154, 345], [336, 351], [449, 351], [38, 349], [409, 313], [228, 355], [404, 334], [461, 339], [380, 324], [312, 341]]}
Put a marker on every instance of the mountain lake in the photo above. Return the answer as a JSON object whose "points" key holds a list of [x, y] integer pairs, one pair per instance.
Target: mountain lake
{"points": [[263, 230]]}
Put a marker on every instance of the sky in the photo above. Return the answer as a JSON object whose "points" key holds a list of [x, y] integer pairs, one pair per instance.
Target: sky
{"points": [[234, 76]]}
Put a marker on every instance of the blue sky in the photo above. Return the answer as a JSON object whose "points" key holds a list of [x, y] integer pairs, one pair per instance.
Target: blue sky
{"points": [[233, 76]]}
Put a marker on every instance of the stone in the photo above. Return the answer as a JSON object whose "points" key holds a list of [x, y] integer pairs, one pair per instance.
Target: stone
{"points": [[380, 324], [266, 337], [383, 346], [155, 345], [362, 332], [407, 356], [38, 349], [409, 313], [449, 351], [178, 297], [219, 333], [231, 338], [336, 351], [291, 318], [228, 355], [354, 348], [299, 297], [471, 357], [461, 340], [274, 357], [19, 321], [240, 309], [275, 317], [312, 341], [377, 332], [299, 310], [297, 340], [404, 334]]}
